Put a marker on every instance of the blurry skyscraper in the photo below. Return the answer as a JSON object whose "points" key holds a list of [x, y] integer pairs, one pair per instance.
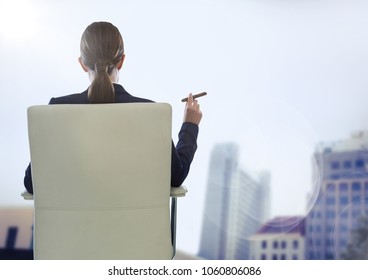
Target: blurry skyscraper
{"points": [[342, 197], [236, 205]]}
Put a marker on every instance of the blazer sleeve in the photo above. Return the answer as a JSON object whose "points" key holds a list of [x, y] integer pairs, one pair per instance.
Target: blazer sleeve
{"points": [[28, 179], [183, 154]]}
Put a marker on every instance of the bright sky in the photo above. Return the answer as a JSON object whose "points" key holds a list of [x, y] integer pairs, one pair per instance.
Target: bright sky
{"points": [[281, 76]]}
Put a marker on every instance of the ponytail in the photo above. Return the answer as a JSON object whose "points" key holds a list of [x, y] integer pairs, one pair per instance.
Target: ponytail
{"points": [[101, 90], [102, 49]]}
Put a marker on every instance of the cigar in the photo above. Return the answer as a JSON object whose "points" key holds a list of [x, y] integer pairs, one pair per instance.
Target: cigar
{"points": [[194, 96]]}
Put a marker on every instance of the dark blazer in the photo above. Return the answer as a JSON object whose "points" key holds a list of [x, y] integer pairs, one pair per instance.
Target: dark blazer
{"points": [[182, 154]]}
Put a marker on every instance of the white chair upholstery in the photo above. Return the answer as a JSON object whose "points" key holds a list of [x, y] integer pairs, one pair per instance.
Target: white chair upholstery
{"points": [[101, 176]]}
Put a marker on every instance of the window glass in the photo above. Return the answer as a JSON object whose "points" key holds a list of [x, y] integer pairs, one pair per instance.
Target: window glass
{"points": [[318, 242], [335, 165], [343, 187], [359, 163], [331, 187], [344, 200], [344, 214], [330, 200], [356, 186], [330, 214], [347, 164]]}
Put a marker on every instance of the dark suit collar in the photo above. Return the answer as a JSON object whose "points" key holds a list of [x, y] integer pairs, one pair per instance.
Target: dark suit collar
{"points": [[119, 89]]}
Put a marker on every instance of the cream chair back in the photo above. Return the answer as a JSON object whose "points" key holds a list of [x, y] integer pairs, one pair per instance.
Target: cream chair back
{"points": [[101, 176]]}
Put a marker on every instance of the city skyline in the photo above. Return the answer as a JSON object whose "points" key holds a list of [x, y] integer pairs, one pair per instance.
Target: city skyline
{"points": [[237, 208]]}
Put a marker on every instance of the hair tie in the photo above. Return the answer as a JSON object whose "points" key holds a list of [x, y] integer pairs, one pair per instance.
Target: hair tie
{"points": [[101, 68]]}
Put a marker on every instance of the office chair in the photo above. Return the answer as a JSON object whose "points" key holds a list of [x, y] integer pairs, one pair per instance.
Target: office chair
{"points": [[101, 178]]}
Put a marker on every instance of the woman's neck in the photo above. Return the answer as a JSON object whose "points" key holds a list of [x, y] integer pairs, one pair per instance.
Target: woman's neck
{"points": [[114, 75]]}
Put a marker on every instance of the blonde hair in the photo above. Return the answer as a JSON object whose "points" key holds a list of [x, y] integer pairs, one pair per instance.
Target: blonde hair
{"points": [[102, 48]]}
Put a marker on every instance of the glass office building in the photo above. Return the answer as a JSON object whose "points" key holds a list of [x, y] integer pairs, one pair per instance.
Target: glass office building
{"points": [[342, 198], [235, 207]]}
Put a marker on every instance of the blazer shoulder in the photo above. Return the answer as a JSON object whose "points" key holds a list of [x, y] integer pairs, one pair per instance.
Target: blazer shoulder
{"points": [[125, 97], [76, 98]]}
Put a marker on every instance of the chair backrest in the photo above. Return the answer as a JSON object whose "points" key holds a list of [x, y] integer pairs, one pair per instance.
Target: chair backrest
{"points": [[101, 176]]}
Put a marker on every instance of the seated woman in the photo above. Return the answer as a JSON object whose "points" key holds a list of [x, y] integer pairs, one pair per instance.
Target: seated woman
{"points": [[102, 57]]}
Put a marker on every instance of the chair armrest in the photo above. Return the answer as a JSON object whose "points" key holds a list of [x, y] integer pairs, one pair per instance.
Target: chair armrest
{"points": [[178, 191], [27, 196], [174, 192]]}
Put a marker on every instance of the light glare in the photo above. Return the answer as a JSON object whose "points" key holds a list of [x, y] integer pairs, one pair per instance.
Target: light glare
{"points": [[17, 20]]}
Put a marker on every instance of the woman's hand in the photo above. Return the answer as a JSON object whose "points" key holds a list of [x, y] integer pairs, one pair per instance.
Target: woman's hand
{"points": [[192, 113]]}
